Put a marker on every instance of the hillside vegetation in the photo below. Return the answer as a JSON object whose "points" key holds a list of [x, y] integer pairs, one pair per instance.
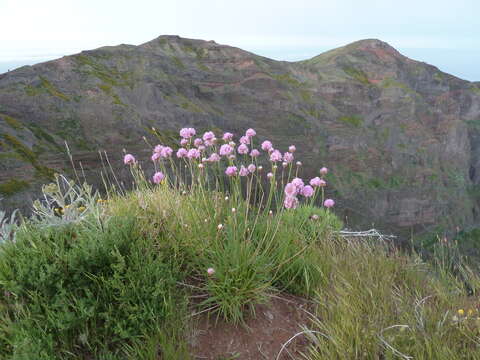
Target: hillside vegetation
{"points": [[217, 231]]}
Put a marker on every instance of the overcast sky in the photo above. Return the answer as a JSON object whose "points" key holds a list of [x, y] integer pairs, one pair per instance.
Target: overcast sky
{"points": [[445, 33]]}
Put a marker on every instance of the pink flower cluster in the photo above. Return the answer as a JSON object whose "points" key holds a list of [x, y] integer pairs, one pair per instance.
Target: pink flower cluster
{"points": [[198, 149], [161, 151]]}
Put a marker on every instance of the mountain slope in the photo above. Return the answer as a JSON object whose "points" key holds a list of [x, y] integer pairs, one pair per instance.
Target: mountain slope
{"points": [[400, 136]]}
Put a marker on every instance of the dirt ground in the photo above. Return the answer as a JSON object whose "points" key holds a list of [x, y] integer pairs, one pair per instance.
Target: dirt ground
{"points": [[261, 339]]}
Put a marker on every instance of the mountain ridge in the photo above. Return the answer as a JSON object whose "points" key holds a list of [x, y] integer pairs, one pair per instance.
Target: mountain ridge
{"points": [[399, 135]]}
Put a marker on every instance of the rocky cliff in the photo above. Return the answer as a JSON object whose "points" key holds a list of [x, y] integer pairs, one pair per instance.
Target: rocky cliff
{"points": [[401, 137]]}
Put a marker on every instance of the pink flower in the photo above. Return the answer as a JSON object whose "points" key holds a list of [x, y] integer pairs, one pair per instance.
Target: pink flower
{"points": [[323, 171], [214, 157], [329, 203], [298, 183], [158, 177], [201, 148], [292, 148], [291, 189], [129, 159], [197, 142], [254, 153], [284, 164], [231, 156], [251, 168], [323, 183], [245, 140], [227, 136], [182, 152], [276, 156], [210, 271], [308, 191], [290, 202], [155, 156], [187, 133], [270, 175], [184, 142], [209, 135], [243, 171], [266, 145], [288, 157], [225, 149], [250, 133], [166, 152], [193, 154], [299, 163], [243, 149], [315, 181], [158, 148], [231, 171]]}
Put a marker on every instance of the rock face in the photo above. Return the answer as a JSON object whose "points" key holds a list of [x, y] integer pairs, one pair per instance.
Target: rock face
{"points": [[401, 137]]}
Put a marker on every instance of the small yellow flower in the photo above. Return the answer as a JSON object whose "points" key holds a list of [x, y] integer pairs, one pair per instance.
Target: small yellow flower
{"points": [[67, 206], [81, 208], [461, 312]]}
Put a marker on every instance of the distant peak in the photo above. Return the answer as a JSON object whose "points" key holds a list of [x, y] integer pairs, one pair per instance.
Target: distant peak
{"points": [[373, 47]]}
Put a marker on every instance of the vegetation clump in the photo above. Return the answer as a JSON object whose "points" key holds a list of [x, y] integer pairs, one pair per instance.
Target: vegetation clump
{"points": [[218, 227]]}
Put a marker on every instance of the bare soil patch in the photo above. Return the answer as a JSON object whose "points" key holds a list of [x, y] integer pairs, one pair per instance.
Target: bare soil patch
{"points": [[261, 338]]}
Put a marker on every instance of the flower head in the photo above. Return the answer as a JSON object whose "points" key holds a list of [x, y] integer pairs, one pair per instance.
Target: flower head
{"points": [[254, 153], [214, 157], [225, 150], [155, 156], [308, 191], [290, 202], [187, 133], [245, 140], [227, 136], [183, 142], [210, 271], [329, 203], [242, 149], [197, 142], [292, 148], [193, 154], [209, 135], [270, 175], [158, 148], [316, 181], [299, 163], [298, 183], [231, 171], [182, 152], [288, 157], [243, 171], [276, 156], [251, 168], [158, 177], [166, 152], [291, 189], [129, 159], [250, 133], [323, 171], [266, 145]]}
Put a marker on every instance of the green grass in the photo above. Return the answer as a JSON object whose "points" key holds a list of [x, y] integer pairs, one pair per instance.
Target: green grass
{"points": [[353, 120], [357, 74], [13, 186], [12, 122]]}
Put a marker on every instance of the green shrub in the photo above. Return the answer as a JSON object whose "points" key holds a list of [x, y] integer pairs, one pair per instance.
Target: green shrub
{"points": [[84, 291]]}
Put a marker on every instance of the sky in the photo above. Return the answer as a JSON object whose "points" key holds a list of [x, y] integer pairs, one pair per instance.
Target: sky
{"points": [[444, 33]]}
